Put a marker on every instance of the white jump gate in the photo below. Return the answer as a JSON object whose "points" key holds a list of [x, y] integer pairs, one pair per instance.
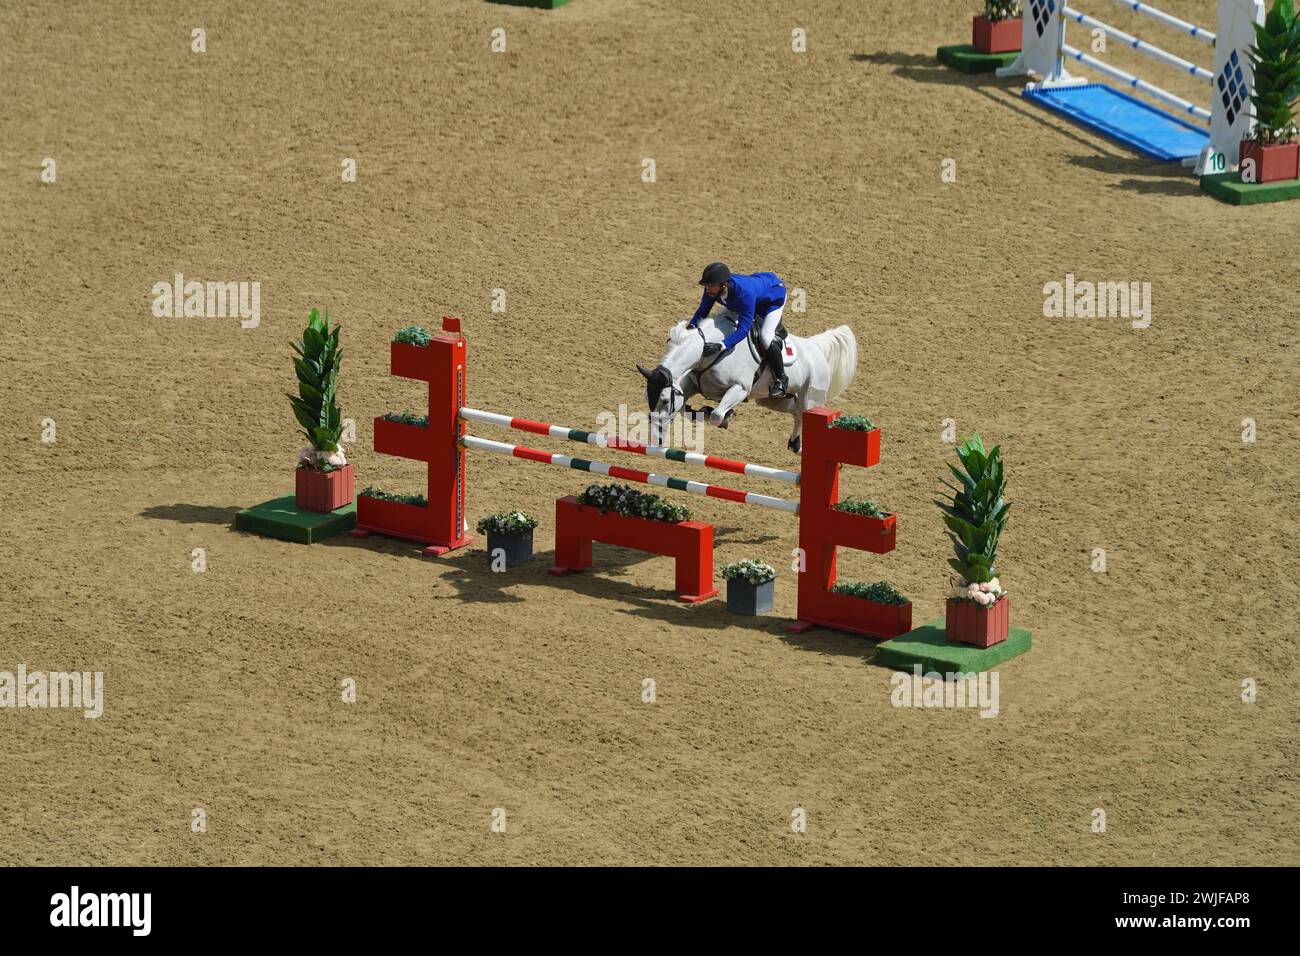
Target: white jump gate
{"points": [[1043, 51]]}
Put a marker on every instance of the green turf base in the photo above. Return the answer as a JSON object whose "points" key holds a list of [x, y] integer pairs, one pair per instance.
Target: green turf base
{"points": [[966, 58], [281, 518], [1229, 188], [929, 647], [547, 4]]}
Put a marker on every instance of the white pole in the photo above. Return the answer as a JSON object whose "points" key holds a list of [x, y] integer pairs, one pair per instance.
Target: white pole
{"points": [[1140, 45], [1191, 29]]}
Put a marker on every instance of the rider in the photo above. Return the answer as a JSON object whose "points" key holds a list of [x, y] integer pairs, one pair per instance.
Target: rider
{"points": [[760, 296]]}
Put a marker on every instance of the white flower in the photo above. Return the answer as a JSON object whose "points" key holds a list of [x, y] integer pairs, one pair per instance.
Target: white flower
{"points": [[335, 457]]}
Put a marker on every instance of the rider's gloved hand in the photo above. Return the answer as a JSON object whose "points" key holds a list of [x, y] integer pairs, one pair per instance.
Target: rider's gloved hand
{"points": [[712, 348]]}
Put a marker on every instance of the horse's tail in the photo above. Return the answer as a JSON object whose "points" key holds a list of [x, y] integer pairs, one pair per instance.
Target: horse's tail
{"points": [[841, 350]]}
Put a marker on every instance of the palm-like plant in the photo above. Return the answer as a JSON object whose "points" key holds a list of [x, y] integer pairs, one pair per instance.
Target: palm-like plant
{"points": [[1275, 57], [977, 514], [315, 405]]}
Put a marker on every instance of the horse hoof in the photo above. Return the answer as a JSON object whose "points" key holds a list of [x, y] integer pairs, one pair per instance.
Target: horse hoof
{"points": [[726, 419], [794, 444]]}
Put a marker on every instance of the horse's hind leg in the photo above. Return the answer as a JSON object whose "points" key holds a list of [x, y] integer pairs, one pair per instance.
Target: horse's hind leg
{"points": [[794, 408]]}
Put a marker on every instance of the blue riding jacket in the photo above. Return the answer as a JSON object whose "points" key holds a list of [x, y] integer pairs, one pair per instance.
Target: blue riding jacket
{"points": [[748, 296]]}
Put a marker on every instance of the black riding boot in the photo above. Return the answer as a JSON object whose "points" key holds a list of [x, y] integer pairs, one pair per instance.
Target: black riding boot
{"points": [[776, 365]]}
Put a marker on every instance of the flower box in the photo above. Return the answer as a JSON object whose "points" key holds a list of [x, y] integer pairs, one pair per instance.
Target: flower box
{"points": [[317, 490], [825, 608], [402, 439], [517, 548], [689, 543], [863, 532], [1272, 163], [746, 598], [396, 519], [971, 623], [996, 36], [411, 361], [852, 447]]}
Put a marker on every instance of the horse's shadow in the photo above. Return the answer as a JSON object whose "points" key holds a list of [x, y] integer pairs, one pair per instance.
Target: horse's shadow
{"points": [[926, 68], [192, 514], [468, 573]]}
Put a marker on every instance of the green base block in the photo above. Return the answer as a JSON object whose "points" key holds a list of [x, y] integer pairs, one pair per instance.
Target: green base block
{"points": [[281, 518], [1229, 188], [929, 647], [966, 58], [545, 4]]}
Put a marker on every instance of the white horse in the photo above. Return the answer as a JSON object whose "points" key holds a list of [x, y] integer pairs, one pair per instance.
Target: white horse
{"points": [[819, 370]]}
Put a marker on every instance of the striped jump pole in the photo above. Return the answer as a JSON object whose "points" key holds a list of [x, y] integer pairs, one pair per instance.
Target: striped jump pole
{"points": [[618, 444], [629, 474]]}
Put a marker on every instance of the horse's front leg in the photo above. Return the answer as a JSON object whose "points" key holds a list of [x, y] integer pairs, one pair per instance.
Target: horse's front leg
{"points": [[721, 415], [690, 386]]}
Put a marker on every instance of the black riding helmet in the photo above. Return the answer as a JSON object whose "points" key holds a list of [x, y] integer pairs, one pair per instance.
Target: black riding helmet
{"points": [[715, 273]]}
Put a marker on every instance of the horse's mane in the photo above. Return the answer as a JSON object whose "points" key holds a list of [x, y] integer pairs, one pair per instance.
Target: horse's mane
{"points": [[679, 333]]}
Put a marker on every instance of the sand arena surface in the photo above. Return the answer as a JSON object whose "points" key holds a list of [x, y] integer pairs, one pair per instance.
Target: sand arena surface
{"points": [[521, 171]]}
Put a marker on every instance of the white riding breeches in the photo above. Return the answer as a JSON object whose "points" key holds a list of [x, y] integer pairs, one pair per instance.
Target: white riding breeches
{"points": [[770, 321]]}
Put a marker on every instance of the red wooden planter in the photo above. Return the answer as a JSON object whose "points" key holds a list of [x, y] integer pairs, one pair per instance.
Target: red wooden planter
{"points": [[1272, 163], [325, 490], [854, 614], [862, 532], [396, 519], [690, 543], [412, 361], [1001, 36], [848, 446], [403, 440], [969, 623]]}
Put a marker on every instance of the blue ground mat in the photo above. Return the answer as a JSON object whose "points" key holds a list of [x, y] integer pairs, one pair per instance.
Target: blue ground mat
{"points": [[1125, 119]]}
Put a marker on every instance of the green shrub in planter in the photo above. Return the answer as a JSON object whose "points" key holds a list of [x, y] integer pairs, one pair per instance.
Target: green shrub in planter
{"points": [[407, 418], [854, 423], [370, 491], [751, 586], [412, 335], [881, 592], [862, 506], [509, 533], [628, 501]]}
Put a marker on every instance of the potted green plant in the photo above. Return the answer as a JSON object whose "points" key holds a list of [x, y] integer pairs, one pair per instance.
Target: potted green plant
{"points": [[509, 534], [750, 586], [978, 609], [1272, 153], [325, 481], [997, 29]]}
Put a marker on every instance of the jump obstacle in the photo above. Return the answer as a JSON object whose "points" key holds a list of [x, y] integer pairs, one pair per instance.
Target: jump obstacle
{"points": [[1133, 122], [440, 525]]}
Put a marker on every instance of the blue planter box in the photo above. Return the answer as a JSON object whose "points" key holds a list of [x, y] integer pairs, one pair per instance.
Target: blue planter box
{"points": [[746, 598], [518, 548]]}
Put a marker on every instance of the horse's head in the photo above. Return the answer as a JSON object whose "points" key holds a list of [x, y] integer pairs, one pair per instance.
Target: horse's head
{"points": [[665, 398], [663, 391]]}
